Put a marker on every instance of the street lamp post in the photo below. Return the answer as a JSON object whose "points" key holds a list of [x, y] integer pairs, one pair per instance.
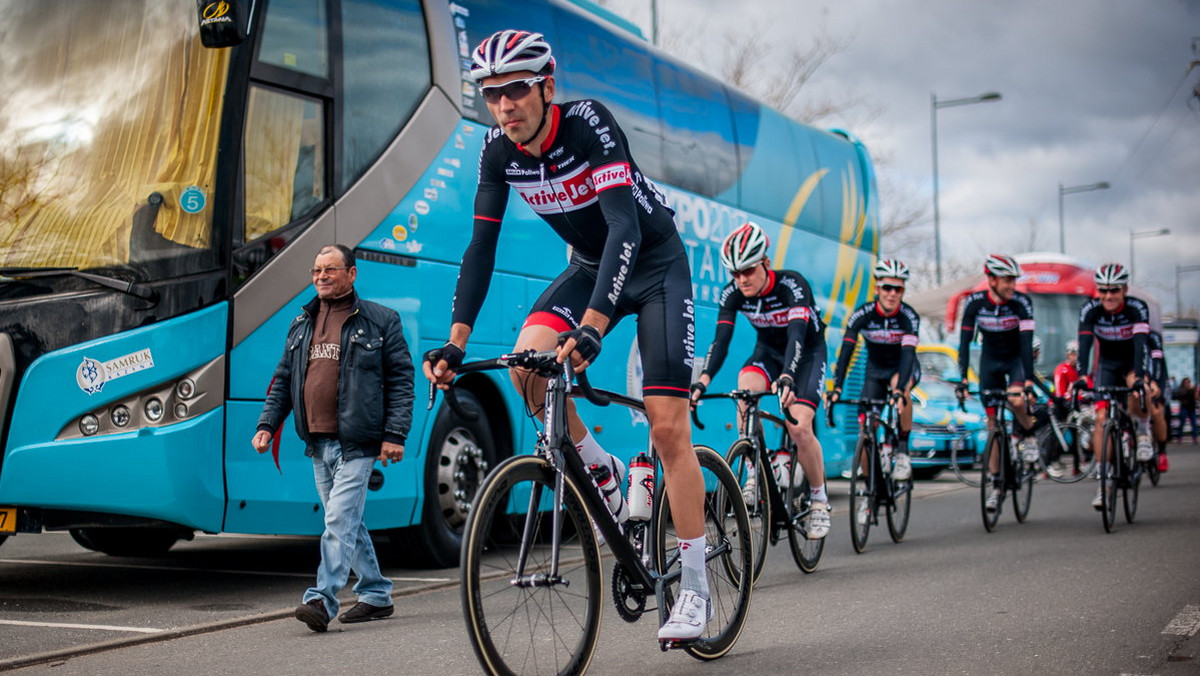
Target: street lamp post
{"points": [[934, 104], [1180, 269], [1142, 234], [1062, 236]]}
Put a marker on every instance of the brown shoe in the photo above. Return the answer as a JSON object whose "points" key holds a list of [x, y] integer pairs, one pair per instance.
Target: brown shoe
{"points": [[365, 612], [314, 615]]}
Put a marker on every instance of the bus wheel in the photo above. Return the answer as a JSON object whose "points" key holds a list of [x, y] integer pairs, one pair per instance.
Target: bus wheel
{"points": [[461, 453], [143, 542]]}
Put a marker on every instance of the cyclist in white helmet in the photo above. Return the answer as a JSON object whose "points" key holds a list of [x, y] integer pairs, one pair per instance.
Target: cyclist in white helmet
{"points": [[1003, 318], [890, 329], [789, 355], [571, 164], [1119, 325]]}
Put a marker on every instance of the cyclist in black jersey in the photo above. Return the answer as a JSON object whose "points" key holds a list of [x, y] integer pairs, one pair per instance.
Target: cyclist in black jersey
{"points": [[1003, 317], [789, 355], [890, 329], [1119, 325], [1158, 373], [570, 163]]}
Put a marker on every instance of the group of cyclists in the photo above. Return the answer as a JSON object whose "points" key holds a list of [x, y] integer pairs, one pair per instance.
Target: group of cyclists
{"points": [[627, 259]]}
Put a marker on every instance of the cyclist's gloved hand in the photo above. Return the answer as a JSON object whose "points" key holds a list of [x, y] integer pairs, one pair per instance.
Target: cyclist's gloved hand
{"points": [[783, 388], [895, 397], [834, 394], [449, 353], [587, 341], [1082, 384], [696, 391], [960, 391]]}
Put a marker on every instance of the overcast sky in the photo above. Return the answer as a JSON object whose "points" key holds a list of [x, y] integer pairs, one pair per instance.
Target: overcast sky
{"points": [[1093, 90]]}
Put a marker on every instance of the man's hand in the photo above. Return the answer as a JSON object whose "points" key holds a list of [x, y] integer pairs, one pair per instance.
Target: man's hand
{"points": [[696, 391], [439, 364], [391, 452], [960, 391], [582, 345], [783, 388], [262, 441], [832, 396]]}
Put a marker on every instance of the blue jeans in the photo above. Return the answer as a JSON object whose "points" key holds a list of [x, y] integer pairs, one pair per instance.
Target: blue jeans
{"points": [[345, 544]]}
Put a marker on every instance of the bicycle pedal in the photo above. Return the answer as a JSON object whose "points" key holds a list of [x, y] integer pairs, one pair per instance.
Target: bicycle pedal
{"points": [[666, 644]]}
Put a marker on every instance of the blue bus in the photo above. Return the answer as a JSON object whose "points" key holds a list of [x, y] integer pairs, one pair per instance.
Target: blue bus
{"points": [[169, 169]]}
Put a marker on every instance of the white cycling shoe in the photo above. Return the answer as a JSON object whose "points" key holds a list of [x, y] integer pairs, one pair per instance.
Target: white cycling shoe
{"points": [[689, 617]]}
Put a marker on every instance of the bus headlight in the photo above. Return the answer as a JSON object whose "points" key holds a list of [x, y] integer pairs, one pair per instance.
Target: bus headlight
{"points": [[89, 425], [120, 415], [185, 388], [181, 410], [154, 409]]}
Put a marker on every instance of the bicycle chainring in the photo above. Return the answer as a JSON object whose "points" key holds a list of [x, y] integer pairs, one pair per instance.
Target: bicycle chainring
{"points": [[630, 602]]}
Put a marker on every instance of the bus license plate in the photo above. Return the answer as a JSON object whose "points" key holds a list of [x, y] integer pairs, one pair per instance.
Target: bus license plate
{"points": [[8, 519]]}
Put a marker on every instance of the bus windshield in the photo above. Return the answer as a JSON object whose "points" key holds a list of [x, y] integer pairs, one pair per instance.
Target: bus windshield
{"points": [[108, 134]]}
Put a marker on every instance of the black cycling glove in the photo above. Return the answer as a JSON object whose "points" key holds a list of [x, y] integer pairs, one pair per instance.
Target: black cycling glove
{"points": [[697, 390], [587, 341], [450, 353]]}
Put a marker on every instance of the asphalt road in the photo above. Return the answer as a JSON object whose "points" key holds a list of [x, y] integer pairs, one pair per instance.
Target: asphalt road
{"points": [[1055, 595]]}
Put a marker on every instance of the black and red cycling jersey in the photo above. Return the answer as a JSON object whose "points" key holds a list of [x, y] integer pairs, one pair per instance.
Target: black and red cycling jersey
{"points": [[586, 186], [1005, 329], [891, 340], [1121, 336], [1157, 367], [785, 316]]}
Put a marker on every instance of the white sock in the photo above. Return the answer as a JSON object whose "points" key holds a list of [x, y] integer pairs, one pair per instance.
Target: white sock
{"points": [[590, 450], [691, 557], [817, 493]]}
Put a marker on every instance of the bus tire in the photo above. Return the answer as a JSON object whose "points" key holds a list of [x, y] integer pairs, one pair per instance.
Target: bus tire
{"points": [[460, 454], [141, 542]]}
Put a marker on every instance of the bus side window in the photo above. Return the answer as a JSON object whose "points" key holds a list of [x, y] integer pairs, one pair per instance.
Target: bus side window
{"points": [[295, 37], [284, 159]]}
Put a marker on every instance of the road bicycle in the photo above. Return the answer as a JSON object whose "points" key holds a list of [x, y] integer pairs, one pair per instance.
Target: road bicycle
{"points": [[531, 565], [1064, 443], [873, 488], [771, 481], [1016, 474], [1123, 471]]}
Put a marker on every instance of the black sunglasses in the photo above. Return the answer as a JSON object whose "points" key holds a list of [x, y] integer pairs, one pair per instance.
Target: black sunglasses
{"points": [[891, 287], [515, 90], [1108, 289]]}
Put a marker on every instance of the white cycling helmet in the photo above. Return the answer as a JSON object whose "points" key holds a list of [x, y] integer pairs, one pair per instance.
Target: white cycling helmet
{"points": [[744, 247], [891, 267], [511, 51], [1000, 265], [1072, 347], [1112, 274]]}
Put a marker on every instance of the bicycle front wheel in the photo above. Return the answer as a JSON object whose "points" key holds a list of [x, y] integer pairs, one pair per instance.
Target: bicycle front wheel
{"points": [[743, 460], [862, 493], [962, 460], [730, 560], [1110, 475], [993, 453], [523, 617], [806, 552], [1074, 459], [1131, 485]]}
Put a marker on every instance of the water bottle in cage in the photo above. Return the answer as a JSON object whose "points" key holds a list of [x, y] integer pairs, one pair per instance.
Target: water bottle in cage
{"points": [[781, 465], [885, 456], [610, 490], [641, 487]]}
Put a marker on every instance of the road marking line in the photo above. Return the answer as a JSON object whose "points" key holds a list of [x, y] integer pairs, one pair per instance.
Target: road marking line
{"points": [[66, 625], [1186, 623], [97, 564]]}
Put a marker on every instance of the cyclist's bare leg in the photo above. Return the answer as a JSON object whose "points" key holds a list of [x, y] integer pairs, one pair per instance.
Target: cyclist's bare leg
{"points": [[1098, 435], [808, 447], [671, 434], [532, 387], [1016, 403], [905, 405]]}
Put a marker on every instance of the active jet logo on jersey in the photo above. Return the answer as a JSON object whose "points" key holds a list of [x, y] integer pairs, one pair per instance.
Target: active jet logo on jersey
{"points": [[611, 176], [584, 109], [619, 281], [884, 336], [570, 192]]}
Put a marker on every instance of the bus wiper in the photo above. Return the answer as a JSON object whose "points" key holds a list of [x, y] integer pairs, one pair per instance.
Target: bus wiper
{"points": [[131, 288]]}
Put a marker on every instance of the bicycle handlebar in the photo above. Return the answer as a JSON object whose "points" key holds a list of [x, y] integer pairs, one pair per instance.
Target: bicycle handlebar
{"points": [[739, 395], [544, 363], [848, 402]]}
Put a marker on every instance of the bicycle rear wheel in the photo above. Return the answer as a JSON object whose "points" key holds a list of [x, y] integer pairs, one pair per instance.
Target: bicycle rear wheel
{"points": [[1074, 462], [743, 460], [1110, 475], [994, 449], [862, 493], [730, 578], [1131, 485], [538, 626], [963, 462], [806, 552], [899, 508], [1022, 493]]}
